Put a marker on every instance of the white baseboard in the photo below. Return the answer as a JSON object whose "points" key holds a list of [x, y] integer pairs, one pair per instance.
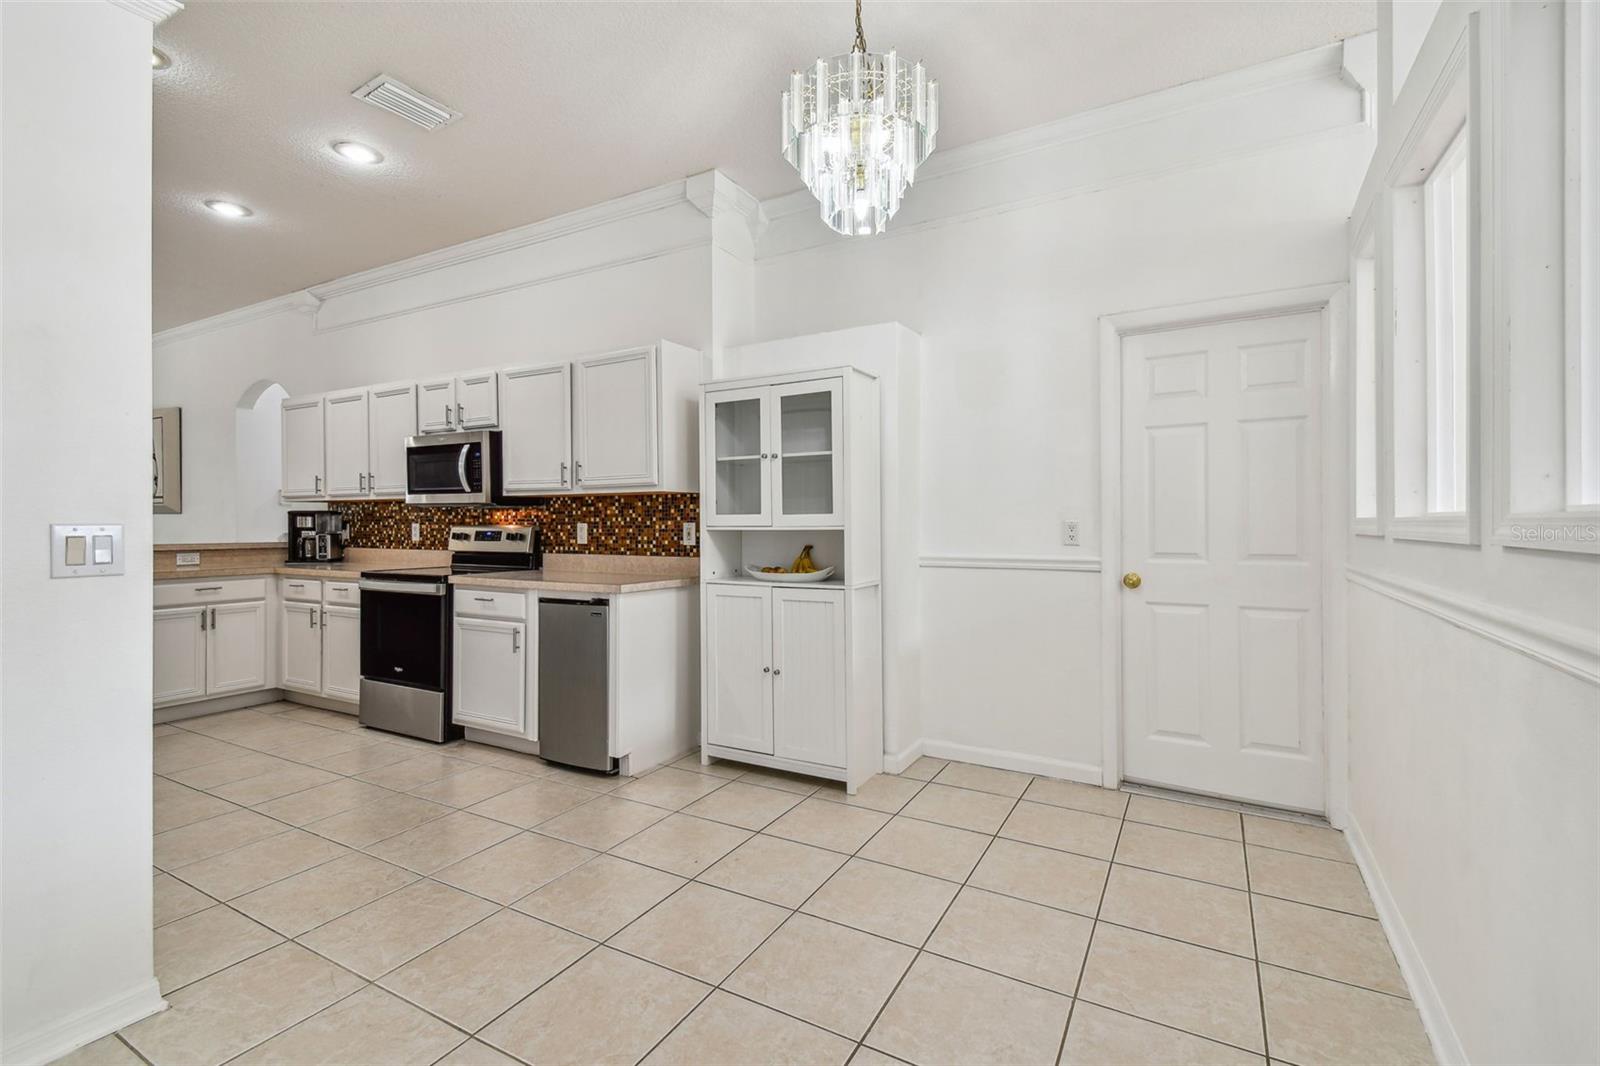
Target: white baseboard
{"points": [[1447, 1047], [54, 1039], [1011, 760], [896, 762]]}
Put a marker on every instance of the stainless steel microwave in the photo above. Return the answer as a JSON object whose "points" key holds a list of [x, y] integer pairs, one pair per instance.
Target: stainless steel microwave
{"points": [[454, 468]]}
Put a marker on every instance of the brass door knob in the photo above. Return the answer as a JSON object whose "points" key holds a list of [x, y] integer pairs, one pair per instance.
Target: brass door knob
{"points": [[1132, 580]]}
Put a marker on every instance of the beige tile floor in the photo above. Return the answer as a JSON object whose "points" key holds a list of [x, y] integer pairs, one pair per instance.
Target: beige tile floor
{"points": [[326, 894]]}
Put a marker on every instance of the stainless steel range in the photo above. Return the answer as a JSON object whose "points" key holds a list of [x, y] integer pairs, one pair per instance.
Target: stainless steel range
{"points": [[406, 626]]}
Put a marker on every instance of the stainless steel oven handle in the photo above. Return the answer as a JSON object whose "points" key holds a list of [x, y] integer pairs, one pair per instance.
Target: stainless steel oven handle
{"points": [[410, 588], [461, 467]]}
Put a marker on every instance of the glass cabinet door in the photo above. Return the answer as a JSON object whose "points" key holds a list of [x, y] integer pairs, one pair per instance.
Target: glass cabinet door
{"points": [[807, 454], [736, 443]]}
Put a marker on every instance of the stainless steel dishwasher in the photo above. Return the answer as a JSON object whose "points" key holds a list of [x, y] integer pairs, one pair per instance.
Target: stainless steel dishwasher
{"points": [[575, 683]]}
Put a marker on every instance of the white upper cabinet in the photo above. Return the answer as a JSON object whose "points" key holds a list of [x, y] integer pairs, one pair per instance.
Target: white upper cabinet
{"points": [[391, 418], [738, 475], [302, 448], [775, 455], [436, 406], [478, 401], [471, 401], [346, 442], [615, 405], [536, 441]]}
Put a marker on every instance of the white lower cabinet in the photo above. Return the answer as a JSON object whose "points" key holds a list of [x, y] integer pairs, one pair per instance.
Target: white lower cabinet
{"points": [[341, 652], [302, 647], [208, 649], [322, 645], [180, 654], [776, 672], [490, 672], [236, 648]]}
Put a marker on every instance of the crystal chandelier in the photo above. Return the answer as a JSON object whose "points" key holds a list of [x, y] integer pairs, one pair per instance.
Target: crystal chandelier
{"points": [[856, 127]]}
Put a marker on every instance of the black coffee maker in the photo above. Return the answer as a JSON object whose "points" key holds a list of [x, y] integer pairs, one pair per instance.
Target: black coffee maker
{"points": [[317, 536]]}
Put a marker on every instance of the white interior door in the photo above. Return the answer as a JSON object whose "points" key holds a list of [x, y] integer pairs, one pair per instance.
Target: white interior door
{"points": [[1221, 640], [738, 689]]}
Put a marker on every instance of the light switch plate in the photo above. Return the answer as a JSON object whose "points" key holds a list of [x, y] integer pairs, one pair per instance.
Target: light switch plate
{"points": [[583, 532], [85, 551], [688, 533]]}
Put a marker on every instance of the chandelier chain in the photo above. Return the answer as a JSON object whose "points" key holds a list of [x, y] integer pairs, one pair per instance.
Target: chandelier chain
{"points": [[861, 34]]}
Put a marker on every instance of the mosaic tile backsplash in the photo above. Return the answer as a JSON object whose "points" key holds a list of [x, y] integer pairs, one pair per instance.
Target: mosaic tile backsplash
{"points": [[641, 523]]}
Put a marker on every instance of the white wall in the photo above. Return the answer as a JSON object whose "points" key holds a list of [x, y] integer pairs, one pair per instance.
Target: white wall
{"points": [[608, 286], [75, 756], [258, 467], [1252, 196], [1474, 671]]}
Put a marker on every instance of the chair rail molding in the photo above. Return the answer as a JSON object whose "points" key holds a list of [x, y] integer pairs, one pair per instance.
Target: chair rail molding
{"points": [[1068, 564], [1570, 649]]}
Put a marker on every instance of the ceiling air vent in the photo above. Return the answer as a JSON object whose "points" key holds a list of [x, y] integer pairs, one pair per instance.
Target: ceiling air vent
{"points": [[401, 99]]}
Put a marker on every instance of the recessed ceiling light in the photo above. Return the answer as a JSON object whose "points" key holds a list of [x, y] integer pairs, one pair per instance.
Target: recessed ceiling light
{"points": [[229, 209], [159, 60], [357, 152]]}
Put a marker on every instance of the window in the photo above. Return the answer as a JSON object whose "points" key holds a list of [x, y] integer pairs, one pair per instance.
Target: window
{"points": [[1446, 236], [1364, 386]]}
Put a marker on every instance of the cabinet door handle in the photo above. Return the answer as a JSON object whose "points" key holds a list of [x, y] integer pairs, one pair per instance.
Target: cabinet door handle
{"points": [[563, 471], [213, 618], [461, 415], [447, 414], [776, 671], [202, 619], [577, 472], [209, 588], [311, 619], [372, 482], [516, 640], [361, 482], [766, 669], [484, 599]]}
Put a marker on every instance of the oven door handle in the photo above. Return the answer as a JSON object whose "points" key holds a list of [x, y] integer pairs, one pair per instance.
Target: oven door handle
{"points": [[461, 467], [410, 588]]}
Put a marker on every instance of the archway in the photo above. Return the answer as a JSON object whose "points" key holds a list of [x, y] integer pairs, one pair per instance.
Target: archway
{"points": [[258, 463]]}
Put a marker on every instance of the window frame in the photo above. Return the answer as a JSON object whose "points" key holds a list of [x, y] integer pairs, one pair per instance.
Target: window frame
{"points": [[1447, 119], [1366, 376]]}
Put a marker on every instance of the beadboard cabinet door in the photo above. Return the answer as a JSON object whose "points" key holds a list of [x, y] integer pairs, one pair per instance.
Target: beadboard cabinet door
{"points": [[808, 675], [738, 689]]}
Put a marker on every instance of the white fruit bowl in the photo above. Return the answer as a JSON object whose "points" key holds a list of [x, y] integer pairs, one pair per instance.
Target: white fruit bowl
{"points": [[791, 579]]}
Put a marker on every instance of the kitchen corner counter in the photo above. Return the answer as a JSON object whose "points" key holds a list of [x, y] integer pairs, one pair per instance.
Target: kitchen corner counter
{"points": [[596, 575], [596, 582]]}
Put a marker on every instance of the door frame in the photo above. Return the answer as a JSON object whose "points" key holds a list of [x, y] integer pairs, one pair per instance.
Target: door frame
{"points": [[1329, 301]]}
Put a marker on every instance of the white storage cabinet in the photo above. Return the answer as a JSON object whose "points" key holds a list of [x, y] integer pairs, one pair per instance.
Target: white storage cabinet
{"points": [[320, 636], [210, 639], [793, 673], [492, 673]]}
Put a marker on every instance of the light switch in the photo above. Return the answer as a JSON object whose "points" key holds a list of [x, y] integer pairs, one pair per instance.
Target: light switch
{"points": [[86, 550]]}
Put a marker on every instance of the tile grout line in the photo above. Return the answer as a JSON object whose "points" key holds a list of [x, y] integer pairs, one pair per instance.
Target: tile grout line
{"points": [[1105, 886], [1255, 947]]}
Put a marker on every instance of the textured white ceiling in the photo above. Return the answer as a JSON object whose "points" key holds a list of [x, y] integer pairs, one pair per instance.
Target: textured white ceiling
{"points": [[569, 104]]}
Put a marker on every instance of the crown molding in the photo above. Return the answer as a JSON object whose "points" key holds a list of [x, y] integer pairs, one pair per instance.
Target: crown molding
{"points": [[153, 11], [587, 218], [301, 302], [718, 196], [1326, 61]]}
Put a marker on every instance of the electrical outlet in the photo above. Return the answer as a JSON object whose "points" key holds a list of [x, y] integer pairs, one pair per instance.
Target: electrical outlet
{"points": [[1069, 533], [583, 532], [688, 533], [416, 532]]}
